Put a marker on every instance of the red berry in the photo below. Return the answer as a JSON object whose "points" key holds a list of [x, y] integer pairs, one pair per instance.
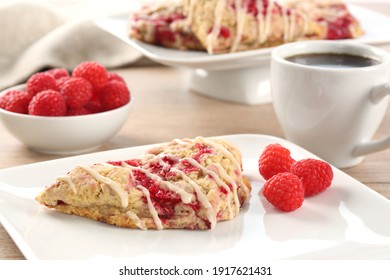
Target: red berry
{"points": [[114, 77], [58, 73], [61, 81], [94, 106], [17, 101], [284, 191], [78, 112], [47, 103], [93, 72], [316, 175], [273, 160], [113, 95], [4, 99], [77, 92], [40, 82]]}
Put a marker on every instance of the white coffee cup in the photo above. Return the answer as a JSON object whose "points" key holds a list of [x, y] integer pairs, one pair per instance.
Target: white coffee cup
{"points": [[332, 112]]}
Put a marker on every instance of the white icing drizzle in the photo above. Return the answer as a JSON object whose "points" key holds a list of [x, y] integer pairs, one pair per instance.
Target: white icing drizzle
{"points": [[137, 221], [215, 177], [213, 35], [240, 17], [285, 24], [293, 18], [230, 156], [123, 195], [222, 172], [181, 142], [69, 181], [151, 207], [190, 9], [201, 197], [267, 29], [260, 21]]}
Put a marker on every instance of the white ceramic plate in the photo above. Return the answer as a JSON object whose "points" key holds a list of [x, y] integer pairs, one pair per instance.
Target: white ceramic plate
{"points": [[347, 221], [375, 25]]}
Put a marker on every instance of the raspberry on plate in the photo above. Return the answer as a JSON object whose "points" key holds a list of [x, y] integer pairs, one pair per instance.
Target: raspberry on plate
{"points": [[274, 159], [77, 92], [284, 191], [47, 103], [316, 175], [40, 82], [93, 72], [17, 101], [113, 95]]}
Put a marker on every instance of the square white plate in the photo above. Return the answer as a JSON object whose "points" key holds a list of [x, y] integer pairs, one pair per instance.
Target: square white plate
{"points": [[347, 221], [375, 25]]}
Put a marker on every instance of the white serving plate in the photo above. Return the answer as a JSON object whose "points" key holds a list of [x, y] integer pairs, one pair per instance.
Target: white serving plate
{"points": [[347, 221], [239, 77]]}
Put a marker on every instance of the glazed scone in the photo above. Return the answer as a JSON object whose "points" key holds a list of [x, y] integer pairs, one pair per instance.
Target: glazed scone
{"points": [[184, 184], [333, 17], [235, 25], [221, 26], [164, 24]]}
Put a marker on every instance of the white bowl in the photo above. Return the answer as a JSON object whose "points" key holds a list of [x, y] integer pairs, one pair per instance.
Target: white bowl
{"points": [[64, 135]]}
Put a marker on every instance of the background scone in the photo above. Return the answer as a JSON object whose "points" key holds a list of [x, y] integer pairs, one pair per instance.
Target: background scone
{"points": [[164, 24], [185, 184], [222, 26]]}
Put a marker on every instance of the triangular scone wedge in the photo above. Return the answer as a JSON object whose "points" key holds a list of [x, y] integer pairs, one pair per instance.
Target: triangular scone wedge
{"points": [[185, 184]]}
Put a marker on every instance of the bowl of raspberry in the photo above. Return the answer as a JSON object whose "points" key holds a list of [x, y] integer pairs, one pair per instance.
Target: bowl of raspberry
{"points": [[59, 112]]}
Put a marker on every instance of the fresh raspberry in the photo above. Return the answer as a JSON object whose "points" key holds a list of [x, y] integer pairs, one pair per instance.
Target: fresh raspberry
{"points": [[284, 191], [316, 175], [78, 112], [112, 76], [94, 106], [47, 103], [40, 82], [58, 73], [77, 92], [113, 95], [17, 101], [4, 99], [61, 81], [274, 159], [93, 72]]}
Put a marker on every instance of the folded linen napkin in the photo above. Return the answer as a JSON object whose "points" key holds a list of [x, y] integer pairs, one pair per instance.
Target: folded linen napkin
{"points": [[34, 37]]}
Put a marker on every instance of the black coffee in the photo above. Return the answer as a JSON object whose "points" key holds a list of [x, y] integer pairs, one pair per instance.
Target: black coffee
{"points": [[333, 60]]}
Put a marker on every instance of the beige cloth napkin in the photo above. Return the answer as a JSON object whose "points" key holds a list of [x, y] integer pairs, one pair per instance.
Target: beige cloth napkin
{"points": [[34, 37]]}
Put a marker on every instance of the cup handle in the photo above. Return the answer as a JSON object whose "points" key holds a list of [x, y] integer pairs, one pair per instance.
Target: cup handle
{"points": [[377, 94]]}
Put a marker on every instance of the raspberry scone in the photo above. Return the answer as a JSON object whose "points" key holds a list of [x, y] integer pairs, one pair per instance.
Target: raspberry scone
{"points": [[235, 25], [184, 184], [164, 24], [333, 17], [221, 26]]}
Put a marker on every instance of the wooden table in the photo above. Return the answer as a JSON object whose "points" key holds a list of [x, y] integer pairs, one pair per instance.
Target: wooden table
{"points": [[165, 109]]}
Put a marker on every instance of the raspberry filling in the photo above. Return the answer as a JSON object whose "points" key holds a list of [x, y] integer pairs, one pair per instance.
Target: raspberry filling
{"points": [[202, 150], [224, 32], [339, 29], [164, 34], [163, 200]]}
